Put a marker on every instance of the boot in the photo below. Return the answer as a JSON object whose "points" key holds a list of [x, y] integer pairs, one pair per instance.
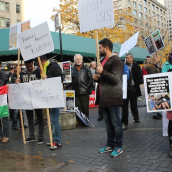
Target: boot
{"points": [[170, 153]]}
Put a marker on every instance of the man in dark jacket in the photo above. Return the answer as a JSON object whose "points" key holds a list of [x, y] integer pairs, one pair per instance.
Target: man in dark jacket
{"points": [[32, 73], [109, 96], [131, 91], [82, 82], [4, 122], [51, 70]]}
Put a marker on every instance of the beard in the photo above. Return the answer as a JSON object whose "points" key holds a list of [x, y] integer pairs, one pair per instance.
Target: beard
{"points": [[78, 64], [102, 54]]}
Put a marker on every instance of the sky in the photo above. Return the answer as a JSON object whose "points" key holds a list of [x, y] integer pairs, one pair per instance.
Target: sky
{"points": [[39, 11]]}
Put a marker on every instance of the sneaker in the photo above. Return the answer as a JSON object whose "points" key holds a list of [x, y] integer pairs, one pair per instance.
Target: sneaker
{"points": [[56, 146], [156, 117], [139, 98], [40, 141], [116, 152], [30, 139], [48, 144], [106, 149], [124, 127], [5, 139], [170, 153]]}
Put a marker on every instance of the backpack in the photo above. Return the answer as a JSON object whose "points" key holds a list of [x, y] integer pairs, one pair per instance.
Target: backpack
{"points": [[129, 81]]}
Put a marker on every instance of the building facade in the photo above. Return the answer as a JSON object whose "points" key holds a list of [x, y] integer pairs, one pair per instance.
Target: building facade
{"points": [[149, 15], [11, 12], [168, 4]]}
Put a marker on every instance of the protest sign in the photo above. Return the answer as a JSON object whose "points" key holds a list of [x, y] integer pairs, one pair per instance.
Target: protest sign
{"points": [[150, 45], [129, 44], [124, 87], [159, 44], [35, 42], [66, 69], [19, 96], [157, 92], [69, 96], [47, 93], [95, 14], [14, 31]]}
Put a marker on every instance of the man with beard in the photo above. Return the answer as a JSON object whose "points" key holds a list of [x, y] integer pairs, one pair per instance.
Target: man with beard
{"points": [[109, 96]]}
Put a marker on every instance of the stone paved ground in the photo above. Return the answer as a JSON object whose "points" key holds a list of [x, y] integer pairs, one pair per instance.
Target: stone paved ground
{"points": [[145, 149]]}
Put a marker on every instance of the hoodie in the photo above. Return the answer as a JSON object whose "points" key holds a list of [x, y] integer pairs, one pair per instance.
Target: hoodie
{"points": [[167, 67], [26, 76]]}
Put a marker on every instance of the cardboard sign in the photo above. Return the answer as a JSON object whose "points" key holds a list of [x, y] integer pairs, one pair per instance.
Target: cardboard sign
{"points": [[66, 69], [95, 14], [150, 45], [35, 42], [69, 100], [19, 96], [14, 31], [124, 87], [47, 93], [157, 92], [129, 44]]}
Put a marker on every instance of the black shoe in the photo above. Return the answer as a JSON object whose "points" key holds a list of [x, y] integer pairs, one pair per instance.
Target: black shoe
{"points": [[30, 139], [14, 128], [45, 122], [170, 153], [124, 126], [25, 126], [159, 114], [40, 141], [99, 118], [156, 117], [36, 122], [137, 121]]}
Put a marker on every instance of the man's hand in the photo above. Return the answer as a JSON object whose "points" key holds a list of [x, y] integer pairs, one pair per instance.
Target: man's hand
{"points": [[44, 76], [17, 81], [100, 69], [95, 77]]}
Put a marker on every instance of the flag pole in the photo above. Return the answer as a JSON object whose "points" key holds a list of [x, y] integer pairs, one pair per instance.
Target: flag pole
{"points": [[48, 113], [97, 47]]}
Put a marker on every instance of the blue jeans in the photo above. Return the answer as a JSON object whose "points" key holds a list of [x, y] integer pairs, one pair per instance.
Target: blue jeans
{"points": [[112, 119], [4, 127], [54, 116]]}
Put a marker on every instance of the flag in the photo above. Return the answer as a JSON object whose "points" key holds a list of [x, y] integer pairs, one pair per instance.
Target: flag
{"points": [[4, 112]]}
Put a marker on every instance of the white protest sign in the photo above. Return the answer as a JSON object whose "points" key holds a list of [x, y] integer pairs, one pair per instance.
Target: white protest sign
{"points": [[124, 87], [47, 93], [19, 96], [35, 42], [129, 44], [95, 14]]}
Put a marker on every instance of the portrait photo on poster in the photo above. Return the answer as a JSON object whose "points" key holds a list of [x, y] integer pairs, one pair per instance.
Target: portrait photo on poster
{"points": [[158, 96], [66, 68], [69, 100]]}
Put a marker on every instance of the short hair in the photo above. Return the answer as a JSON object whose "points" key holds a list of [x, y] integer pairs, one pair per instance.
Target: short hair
{"points": [[107, 43], [92, 63], [78, 55], [152, 95], [43, 57], [129, 54], [29, 61], [116, 53], [147, 57]]}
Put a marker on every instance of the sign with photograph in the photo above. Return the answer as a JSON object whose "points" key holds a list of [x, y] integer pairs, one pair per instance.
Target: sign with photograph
{"points": [[150, 45], [157, 92], [69, 100], [66, 69], [95, 14]]}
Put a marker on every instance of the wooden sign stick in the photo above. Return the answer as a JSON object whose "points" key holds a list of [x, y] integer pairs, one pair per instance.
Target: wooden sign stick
{"points": [[48, 113], [97, 47], [21, 116]]}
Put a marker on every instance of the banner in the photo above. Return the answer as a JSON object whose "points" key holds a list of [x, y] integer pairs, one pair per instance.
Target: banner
{"points": [[69, 96], [66, 69], [157, 92], [47, 93], [150, 45], [95, 14], [35, 42], [129, 44], [92, 99], [19, 96]]}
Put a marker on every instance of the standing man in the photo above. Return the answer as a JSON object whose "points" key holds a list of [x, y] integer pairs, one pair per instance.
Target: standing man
{"points": [[51, 70], [30, 74], [109, 96], [131, 91], [82, 82], [4, 122]]}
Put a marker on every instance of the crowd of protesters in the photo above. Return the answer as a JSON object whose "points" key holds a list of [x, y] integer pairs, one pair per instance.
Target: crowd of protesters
{"points": [[109, 95]]}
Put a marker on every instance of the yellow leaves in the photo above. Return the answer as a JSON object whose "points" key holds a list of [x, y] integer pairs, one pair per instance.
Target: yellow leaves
{"points": [[71, 161]]}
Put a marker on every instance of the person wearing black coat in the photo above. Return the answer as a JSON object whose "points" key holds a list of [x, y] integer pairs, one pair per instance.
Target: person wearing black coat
{"points": [[131, 91]]}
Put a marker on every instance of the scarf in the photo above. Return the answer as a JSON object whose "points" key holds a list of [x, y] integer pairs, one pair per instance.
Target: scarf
{"points": [[45, 68], [79, 67]]}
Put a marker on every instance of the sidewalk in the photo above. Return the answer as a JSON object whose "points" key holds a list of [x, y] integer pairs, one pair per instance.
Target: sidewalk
{"points": [[145, 149]]}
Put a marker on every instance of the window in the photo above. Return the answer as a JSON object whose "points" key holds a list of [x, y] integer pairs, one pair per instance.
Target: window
{"points": [[135, 12], [161, 11], [149, 11], [139, 0], [17, 8], [2, 5], [144, 2], [7, 6], [153, 13], [145, 9], [18, 21], [140, 15], [134, 4], [153, 7], [2, 22], [169, 20], [161, 18], [169, 24], [140, 7], [146, 24], [162, 25], [7, 22], [158, 23], [145, 16], [129, 2], [135, 21], [157, 8], [157, 16]]}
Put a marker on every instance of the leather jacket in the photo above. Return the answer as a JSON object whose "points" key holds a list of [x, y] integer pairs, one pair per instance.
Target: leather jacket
{"points": [[3, 78]]}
